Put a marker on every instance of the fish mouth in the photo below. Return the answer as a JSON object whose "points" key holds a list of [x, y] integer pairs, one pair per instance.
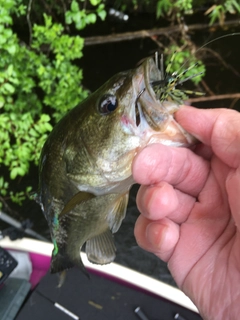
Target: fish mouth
{"points": [[152, 114]]}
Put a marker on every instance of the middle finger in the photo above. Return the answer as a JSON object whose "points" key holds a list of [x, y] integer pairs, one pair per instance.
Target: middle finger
{"points": [[162, 200]]}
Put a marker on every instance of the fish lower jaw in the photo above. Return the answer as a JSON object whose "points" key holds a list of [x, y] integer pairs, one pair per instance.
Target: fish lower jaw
{"points": [[172, 135]]}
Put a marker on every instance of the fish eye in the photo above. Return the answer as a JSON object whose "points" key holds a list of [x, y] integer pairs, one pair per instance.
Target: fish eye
{"points": [[107, 104]]}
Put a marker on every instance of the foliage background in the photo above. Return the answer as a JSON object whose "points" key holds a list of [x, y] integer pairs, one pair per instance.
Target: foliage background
{"points": [[41, 45]]}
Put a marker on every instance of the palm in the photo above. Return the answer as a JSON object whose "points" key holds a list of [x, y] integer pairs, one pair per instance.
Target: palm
{"points": [[208, 250], [190, 211]]}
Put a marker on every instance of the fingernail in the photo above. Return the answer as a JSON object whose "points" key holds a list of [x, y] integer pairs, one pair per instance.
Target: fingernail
{"points": [[156, 234]]}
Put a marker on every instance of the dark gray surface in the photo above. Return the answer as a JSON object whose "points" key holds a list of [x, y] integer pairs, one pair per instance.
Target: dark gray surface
{"points": [[96, 298], [12, 294]]}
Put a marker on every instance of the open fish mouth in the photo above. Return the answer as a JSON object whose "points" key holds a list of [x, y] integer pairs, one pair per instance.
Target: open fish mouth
{"points": [[154, 109]]}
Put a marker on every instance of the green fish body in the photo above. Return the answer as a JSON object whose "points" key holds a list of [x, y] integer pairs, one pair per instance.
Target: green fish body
{"points": [[85, 166]]}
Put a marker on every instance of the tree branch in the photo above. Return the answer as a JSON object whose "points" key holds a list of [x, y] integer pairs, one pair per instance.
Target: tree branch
{"points": [[215, 97], [29, 8], [117, 37]]}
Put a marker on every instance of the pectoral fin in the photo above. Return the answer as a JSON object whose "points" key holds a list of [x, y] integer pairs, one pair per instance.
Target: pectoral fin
{"points": [[79, 197], [101, 249], [118, 213], [92, 220]]}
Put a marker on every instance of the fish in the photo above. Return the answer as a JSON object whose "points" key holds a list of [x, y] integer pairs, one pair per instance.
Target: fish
{"points": [[85, 169]]}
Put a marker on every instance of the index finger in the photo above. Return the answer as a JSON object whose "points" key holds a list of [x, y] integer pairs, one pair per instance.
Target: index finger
{"points": [[218, 128], [179, 167]]}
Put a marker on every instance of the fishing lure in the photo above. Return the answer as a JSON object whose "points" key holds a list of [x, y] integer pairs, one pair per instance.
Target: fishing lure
{"points": [[166, 87]]}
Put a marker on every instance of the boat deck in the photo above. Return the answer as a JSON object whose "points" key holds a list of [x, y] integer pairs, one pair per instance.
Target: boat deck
{"points": [[97, 298]]}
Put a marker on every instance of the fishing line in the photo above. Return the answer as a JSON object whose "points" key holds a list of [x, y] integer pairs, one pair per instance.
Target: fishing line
{"points": [[166, 85], [209, 42]]}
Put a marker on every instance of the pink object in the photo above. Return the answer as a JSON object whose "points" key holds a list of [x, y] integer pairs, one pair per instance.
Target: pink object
{"points": [[40, 266]]}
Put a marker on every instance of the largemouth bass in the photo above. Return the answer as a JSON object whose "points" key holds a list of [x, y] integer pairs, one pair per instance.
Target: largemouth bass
{"points": [[85, 165]]}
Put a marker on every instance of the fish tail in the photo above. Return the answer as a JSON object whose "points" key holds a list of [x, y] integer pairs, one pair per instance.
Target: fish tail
{"points": [[60, 262]]}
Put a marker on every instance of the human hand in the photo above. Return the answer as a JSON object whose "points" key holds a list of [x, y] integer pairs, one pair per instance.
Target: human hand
{"points": [[190, 209]]}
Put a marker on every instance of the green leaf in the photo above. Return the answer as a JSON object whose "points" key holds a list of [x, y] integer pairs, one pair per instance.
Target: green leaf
{"points": [[91, 18], [68, 17], [163, 7], [102, 14], [74, 6], [45, 117], [13, 173], [12, 49], [95, 2], [7, 88], [2, 101]]}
